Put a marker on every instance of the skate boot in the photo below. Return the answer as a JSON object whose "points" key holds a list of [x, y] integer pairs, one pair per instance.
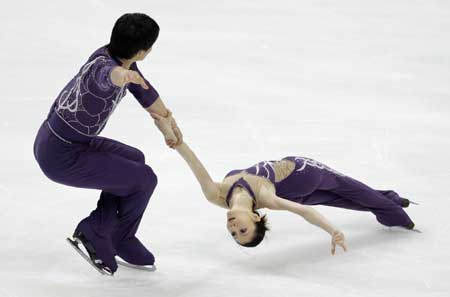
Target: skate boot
{"points": [[132, 253], [98, 251], [406, 202], [410, 226]]}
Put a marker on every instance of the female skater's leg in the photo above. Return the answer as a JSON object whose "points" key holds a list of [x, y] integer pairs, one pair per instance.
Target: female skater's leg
{"points": [[403, 202], [312, 182], [387, 211], [320, 197]]}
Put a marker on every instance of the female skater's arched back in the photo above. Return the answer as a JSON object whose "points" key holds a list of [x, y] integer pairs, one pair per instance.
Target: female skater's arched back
{"points": [[289, 184]]}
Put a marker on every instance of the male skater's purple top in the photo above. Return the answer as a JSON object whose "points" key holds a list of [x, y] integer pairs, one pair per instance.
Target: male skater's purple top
{"points": [[88, 100]]}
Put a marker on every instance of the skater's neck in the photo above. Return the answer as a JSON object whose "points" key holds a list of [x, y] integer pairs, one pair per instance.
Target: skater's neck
{"points": [[241, 200], [126, 63]]}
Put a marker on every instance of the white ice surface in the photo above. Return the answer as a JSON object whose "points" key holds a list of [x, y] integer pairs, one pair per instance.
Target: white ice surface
{"points": [[363, 86]]}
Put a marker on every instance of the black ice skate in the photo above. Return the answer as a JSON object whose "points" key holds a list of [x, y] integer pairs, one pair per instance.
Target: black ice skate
{"points": [[407, 202], [77, 241], [412, 227]]}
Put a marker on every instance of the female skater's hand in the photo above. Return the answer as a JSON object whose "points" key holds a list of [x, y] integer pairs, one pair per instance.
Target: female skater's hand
{"points": [[165, 126], [338, 238], [121, 76]]}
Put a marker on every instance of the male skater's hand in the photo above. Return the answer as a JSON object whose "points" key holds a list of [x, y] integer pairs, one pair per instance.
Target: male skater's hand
{"points": [[176, 130], [164, 125], [338, 238], [121, 76]]}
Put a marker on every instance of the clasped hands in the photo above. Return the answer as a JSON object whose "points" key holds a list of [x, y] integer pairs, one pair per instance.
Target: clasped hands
{"points": [[169, 129]]}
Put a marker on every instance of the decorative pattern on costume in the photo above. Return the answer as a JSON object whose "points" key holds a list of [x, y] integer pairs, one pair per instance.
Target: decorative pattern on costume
{"points": [[313, 163], [265, 169], [90, 98]]}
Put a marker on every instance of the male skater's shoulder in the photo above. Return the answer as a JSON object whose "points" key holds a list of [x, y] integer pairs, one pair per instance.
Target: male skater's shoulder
{"points": [[86, 102], [98, 69]]}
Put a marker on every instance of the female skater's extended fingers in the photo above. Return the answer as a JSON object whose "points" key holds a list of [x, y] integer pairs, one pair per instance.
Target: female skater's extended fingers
{"points": [[333, 248]]}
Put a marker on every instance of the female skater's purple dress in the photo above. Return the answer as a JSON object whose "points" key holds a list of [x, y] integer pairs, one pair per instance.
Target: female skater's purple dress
{"points": [[313, 183]]}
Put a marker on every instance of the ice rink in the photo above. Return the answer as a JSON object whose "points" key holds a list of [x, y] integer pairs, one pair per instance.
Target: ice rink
{"points": [[363, 86]]}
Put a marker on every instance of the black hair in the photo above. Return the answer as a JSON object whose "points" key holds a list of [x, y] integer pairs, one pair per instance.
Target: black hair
{"points": [[260, 232], [132, 32]]}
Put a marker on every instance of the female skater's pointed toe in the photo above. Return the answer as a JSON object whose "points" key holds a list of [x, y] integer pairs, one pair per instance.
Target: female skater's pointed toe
{"points": [[410, 226], [405, 202]]}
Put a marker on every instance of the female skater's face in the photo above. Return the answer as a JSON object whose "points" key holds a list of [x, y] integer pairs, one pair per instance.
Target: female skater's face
{"points": [[241, 225]]}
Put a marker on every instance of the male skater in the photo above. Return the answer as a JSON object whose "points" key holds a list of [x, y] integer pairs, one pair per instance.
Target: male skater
{"points": [[69, 151]]}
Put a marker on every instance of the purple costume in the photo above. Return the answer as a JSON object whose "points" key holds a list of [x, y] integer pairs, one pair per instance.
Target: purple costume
{"points": [[313, 183], [70, 152]]}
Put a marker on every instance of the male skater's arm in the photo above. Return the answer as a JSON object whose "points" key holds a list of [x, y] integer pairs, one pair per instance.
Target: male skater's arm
{"points": [[146, 95], [159, 108], [272, 201]]}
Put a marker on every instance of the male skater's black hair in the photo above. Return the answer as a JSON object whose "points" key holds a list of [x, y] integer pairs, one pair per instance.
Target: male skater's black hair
{"points": [[260, 232], [132, 32]]}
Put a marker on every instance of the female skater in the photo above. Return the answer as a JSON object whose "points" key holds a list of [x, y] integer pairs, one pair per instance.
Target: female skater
{"points": [[289, 184], [69, 150]]}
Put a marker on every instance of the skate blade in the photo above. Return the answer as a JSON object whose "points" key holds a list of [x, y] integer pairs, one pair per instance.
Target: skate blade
{"points": [[414, 203], [74, 245], [149, 268]]}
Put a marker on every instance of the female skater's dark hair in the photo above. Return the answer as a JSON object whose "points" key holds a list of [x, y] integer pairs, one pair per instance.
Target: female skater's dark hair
{"points": [[260, 232], [132, 32]]}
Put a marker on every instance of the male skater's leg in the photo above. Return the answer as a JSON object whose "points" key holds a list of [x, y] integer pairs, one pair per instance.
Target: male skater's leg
{"points": [[125, 243], [126, 186]]}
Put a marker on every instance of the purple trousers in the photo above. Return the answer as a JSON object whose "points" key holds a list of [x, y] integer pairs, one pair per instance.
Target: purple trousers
{"points": [[119, 171], [313, 183]]}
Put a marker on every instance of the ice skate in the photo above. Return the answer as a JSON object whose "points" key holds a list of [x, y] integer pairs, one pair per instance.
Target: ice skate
{"points": [[406, 202], [87, 251], [124, 263], [133, 254]]}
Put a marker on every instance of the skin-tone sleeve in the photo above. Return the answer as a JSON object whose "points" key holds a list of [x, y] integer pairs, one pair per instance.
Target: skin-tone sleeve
{"points": [[272, 201], [210, 189]]}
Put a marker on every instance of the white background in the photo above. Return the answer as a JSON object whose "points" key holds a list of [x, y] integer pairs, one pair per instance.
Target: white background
{"points": [[362, 86]]}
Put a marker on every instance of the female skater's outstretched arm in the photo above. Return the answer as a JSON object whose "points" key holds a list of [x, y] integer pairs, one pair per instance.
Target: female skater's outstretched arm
{"points": [[209, 187], [272, 201]]}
